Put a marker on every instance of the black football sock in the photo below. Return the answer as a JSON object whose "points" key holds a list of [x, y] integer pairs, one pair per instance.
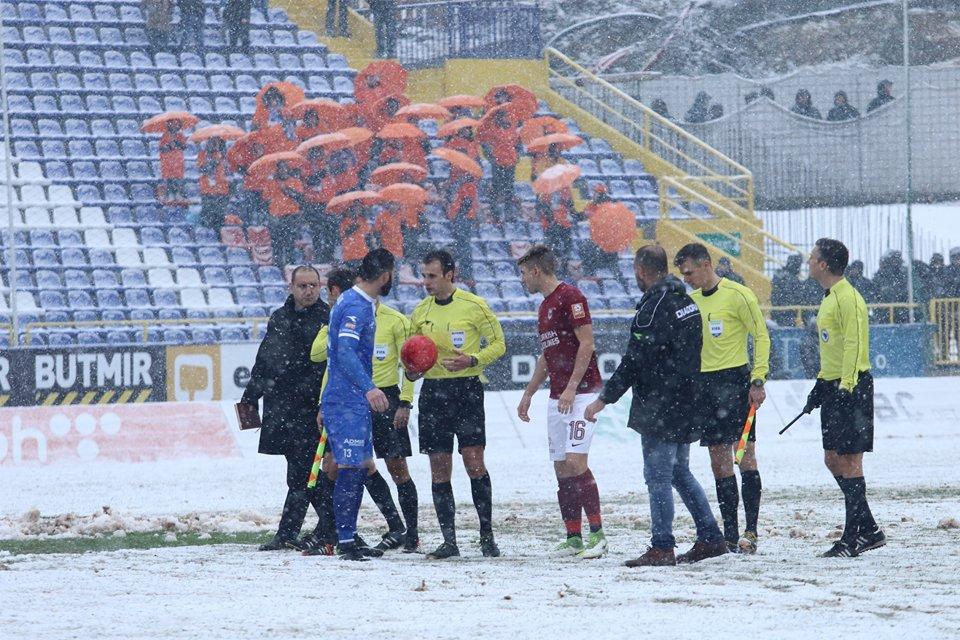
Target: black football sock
{"points": [[751, 488], [728, 496], [409, 502], [483, 501], [446, 510], [380, 492], [323, 504], [839, 481], [850, 527], [863, 514]]}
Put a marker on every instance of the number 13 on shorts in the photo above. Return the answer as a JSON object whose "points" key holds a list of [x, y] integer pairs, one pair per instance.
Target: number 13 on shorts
{"points": [[570, 432]]}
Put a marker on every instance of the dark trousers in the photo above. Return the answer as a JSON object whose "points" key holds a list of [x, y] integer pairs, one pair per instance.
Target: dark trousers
{"points": [[191, 28], [284, 233], [463, 230], [299, 498], [323, 232], [337, 17], [560, 239], [159, 40], [238, 36], [502, 190], [212, 211], [385, 25]]}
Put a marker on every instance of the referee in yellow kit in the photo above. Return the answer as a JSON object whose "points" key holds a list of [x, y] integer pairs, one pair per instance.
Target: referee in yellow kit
{"points": [[469, 337], [730, 313], [844, 393]]}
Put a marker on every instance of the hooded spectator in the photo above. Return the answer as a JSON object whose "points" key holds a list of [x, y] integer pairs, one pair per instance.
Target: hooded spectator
{"points": [[354, 236], [803, 106], [214, 186], [501, 144], [191, 24], [786, 291], [594, 258], [841, 108], [158, 15], [659, 106], [890, 281], [860, 282], [236, 22], [284, 196], [172, 144], [700, 110], [884, 95], [936, 275], [725, 270]]}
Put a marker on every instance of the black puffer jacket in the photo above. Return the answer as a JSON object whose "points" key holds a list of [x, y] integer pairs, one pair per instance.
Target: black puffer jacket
{"points": [[662, 364], [287, 380]]}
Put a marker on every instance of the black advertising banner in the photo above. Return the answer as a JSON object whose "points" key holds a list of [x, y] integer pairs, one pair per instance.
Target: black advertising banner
{"points": [[82, 375]]}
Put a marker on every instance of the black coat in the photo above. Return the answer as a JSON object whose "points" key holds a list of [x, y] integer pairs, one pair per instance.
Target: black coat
{"points": [[287, 380], [662, 364]]}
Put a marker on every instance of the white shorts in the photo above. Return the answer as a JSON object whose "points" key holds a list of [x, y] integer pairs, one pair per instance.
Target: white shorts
{"points": [[570, 432]]}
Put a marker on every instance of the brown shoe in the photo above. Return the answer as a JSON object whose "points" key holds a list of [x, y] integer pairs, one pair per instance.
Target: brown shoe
{"points": [[702, 551], [654, 557]]}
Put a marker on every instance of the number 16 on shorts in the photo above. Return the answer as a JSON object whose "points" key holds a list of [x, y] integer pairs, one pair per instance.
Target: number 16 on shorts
{"points": [[570, 432]]}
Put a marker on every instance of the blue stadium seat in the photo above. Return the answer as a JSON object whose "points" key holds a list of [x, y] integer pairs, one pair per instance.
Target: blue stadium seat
{"points": [[270, 275], [47, 279], [103, 279], [137, 298], [175, 336], [203, 336], [80, 299], [52, 300], [165, 298], [58, 339], [45, 258], [120, 337], [76, 279], [274, 296], [233, 334]]}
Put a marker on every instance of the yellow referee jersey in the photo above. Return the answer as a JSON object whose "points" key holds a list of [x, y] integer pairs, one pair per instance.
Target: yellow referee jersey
{"points": [[730, 313], [844, 335], [461, 324], [393, 328]]}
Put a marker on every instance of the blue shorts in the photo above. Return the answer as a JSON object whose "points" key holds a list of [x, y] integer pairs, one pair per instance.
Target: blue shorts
{"points": [[349, 432]]}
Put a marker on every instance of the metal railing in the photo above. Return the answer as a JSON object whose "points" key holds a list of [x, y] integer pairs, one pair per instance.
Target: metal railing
{"points": [[678, 200], [429, 33], [879, 312], [945, 316], [689, 156]]}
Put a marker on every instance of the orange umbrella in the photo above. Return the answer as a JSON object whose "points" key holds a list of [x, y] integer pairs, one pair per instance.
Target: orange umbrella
{"points": [[327, 110], [267, 165], [523, 102], [406, 194], [292, 95], [461, 102], [424, 111], [328, 141], [341, 203], [539, 127], [158, 123], [563, 140], [400, 131], [222, 131], [357, 135], [612, 226], [488, 127], [555, 178], [398, 172], [378, 80], [460, 160], [452, 128]]}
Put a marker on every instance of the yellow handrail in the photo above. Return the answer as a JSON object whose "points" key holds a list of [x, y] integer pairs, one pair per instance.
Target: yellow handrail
{"points": [[734, 172], [945, 316]]}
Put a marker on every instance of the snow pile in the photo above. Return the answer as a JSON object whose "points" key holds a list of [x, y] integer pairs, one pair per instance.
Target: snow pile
{"points": [[108, 521]]}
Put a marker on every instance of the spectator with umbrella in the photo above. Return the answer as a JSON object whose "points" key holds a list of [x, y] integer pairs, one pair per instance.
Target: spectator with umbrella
{"points": [[461, 197], [354, 227], [319, 188], [283, 192], [501, 143], [171, 125], [556, 211], [212, 163]]}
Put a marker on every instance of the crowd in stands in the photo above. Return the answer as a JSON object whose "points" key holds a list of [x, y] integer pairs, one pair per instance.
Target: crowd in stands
{"points": [[888, 286], [355, 176], [235, 18], [704, 110]]}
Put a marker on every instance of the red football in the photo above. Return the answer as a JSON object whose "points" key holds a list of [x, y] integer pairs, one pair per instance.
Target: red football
{"points": [[418, 354]]}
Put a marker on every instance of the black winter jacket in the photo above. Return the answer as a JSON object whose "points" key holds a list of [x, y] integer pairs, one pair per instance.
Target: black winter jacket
{"points": [[287, 380], [662, 364]]}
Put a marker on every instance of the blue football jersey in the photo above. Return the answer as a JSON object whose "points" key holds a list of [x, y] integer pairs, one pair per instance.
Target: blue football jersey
{"points": [[350, 349]]}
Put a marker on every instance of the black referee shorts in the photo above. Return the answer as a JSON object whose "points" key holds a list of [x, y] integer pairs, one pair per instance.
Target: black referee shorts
{"points": [[451, 407], [388, 441], [847, 424], [725, 402]]}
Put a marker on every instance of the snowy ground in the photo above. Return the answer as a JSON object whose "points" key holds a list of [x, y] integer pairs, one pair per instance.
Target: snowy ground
{"points": [[911, 587]]}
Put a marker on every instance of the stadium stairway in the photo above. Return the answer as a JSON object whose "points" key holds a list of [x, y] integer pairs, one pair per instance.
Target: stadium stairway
{"points": [[100, 262]]}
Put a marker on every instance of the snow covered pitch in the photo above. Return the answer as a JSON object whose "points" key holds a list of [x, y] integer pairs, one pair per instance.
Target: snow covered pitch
{"points": [[911, 588]]}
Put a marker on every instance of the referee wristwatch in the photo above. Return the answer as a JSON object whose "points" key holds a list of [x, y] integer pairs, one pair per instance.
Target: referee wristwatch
{"points": [[406, 404], [757, 382]]}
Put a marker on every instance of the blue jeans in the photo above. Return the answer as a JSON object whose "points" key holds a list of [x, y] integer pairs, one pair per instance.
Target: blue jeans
{"points": [[666, 466]]}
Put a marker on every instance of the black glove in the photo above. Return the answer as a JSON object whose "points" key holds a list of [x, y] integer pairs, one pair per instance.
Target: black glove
{"points": [[844, 397], [816, 396]]}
